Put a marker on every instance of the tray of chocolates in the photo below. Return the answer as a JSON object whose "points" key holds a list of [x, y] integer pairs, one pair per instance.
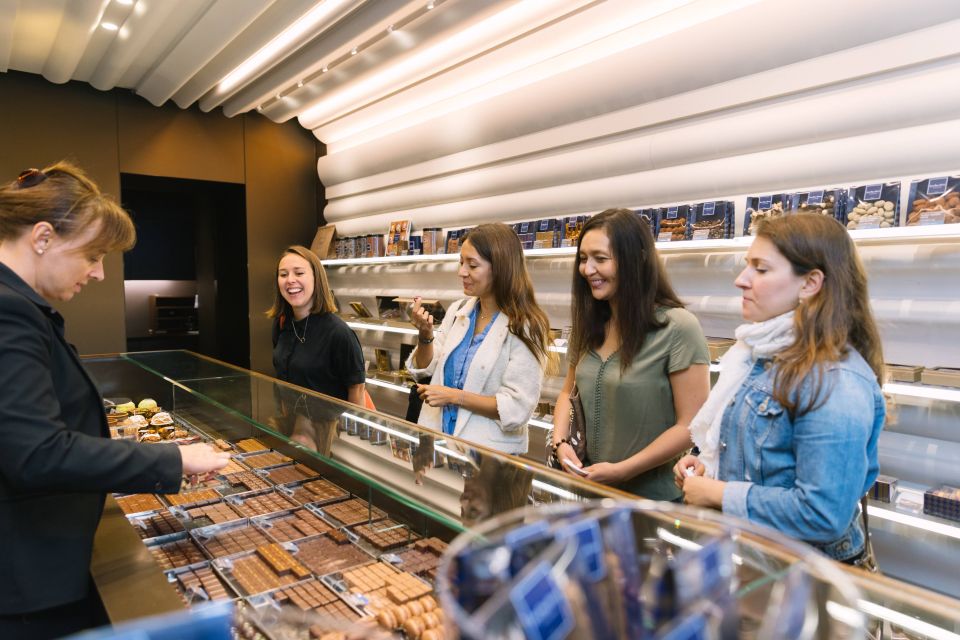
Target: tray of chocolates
{"points": [[199, 584], [268, 567], [291, 473], [349, 512], [220, 540], [233, 466], [318, 491], [206, 515], [155, 525], [385, 534], [265, 459], [242, 482], [192, 497], [260, 503], [249, 445], [331, 552], [139, 503], [313, 595], [292, 525], [181, 552], [419, 559]]}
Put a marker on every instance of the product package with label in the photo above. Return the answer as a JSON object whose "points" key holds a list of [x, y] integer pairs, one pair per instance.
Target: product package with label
{"points": [[650, 218], [884, 489], [934, 201], [547, 234], [762, 207], [944, 502], [828, 202], [672, 223], [873, 206], [572, 225], [712, 220]]}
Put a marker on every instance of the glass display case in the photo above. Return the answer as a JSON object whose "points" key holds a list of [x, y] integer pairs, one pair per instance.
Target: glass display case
{"points": [[346, 511]]}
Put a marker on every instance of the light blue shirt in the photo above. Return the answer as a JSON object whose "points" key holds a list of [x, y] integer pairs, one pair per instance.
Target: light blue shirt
{"points": [[458, 364], [804, 476]]}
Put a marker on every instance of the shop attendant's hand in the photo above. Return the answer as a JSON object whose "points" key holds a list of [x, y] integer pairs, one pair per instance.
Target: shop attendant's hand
{"points": [[703, 492], [681, 470], [437, 395], [605, 473], [421, 319], [202, 459]]}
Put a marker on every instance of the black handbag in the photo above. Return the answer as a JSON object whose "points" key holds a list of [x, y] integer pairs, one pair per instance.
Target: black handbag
{"points": [[576, 433]]}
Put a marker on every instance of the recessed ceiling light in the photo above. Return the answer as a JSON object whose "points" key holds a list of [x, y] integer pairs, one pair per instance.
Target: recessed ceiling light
{"points": [[279, 96], [429, 6], [390, 29], [126, 3], [324, 70], [353, 51], [300, 85], [109, 26]]}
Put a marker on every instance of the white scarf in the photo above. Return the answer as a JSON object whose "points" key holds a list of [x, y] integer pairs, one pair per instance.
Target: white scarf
{"points": [[754, 340]]}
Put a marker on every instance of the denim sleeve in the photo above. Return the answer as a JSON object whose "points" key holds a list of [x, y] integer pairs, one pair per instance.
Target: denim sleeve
{"points": [[830, 446]]}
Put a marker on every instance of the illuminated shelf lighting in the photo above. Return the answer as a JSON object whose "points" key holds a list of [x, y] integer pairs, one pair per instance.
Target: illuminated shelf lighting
{"points": [[387, 385], [910, 623], [380, 427], [363, 326], [540, 423], [922, 391], [917, 522], [438, 257]]}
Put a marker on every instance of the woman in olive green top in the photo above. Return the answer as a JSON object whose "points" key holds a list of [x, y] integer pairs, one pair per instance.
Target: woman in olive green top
{"points": [[638, 358]]}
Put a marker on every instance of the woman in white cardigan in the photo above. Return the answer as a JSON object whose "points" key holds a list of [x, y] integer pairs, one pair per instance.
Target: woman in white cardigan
{"points": [[486, 363]]}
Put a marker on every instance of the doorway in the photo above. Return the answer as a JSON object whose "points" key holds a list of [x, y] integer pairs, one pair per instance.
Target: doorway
{"points": [[185, 281]]}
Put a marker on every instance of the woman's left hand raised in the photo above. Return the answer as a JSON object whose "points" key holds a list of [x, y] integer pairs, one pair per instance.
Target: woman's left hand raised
{"points": [[604, 473], [437, 395]]}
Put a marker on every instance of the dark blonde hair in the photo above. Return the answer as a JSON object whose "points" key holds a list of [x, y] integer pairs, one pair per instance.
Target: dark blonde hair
{"points": [[642, 287], [323, 301], [827, 323], [63, 196], [499, 245]]}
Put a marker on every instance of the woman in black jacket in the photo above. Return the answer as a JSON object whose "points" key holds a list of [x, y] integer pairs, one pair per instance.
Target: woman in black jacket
{"points": [[56, 458]]}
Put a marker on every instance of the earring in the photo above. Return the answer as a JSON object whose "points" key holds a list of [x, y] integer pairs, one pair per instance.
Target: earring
{"points": [[39, 252]]}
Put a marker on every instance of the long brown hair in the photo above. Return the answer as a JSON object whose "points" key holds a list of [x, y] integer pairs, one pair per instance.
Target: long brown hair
{"points": [[63, 196], [323, 301], [827, 323], [499, 245], [642, 287]]}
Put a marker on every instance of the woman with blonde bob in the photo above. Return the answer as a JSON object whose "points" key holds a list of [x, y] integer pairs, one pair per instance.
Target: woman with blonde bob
{"points": [[57, 460], [788, 436], [486, 367], [312, 346]]}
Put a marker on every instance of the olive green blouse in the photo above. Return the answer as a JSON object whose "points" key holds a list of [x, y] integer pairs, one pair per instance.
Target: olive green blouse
{"points": [[626, 413]]}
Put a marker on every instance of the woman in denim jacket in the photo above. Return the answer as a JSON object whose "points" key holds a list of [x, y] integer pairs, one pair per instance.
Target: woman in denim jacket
{"points": [[788, 436]]}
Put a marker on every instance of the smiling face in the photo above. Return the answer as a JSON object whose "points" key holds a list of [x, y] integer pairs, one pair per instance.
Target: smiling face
{"points": [[768, 284], [475, 272], [597, 265], [67, 265], [296, 283]]}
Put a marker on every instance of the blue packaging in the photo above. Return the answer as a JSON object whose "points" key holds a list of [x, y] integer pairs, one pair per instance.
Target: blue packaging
{"points": [[828, 202], [874, 205], [712, 220], [672, 223], [762, 207], [934, 201]]}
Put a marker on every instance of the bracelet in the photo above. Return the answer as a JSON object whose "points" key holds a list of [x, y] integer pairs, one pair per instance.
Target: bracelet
{"points": [[422, 341], [556, 445]]}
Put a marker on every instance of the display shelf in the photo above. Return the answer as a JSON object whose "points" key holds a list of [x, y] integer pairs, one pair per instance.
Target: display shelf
{"points": [[922, 521], [916, 233], [920, 390]]}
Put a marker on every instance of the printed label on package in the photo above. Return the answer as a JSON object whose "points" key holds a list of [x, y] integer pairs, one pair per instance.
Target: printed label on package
{"points": [[541, 607], [524, 227], [936, 186], [872, 191], [869, 222], [932, 217], [664, 236], [765, 202], [708, 208], [672, 212], [814, 197], [701, 234], [544, 225], [589, 559]]}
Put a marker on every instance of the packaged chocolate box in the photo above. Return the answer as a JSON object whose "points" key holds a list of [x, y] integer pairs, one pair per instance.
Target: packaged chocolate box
{"points": [[672, 223], [934, 201], [827, 202], [712, 220], [873, 206], [762, 207]]}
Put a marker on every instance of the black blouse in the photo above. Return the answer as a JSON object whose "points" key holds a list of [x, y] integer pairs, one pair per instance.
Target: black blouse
{"points": [[328, 361]]}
